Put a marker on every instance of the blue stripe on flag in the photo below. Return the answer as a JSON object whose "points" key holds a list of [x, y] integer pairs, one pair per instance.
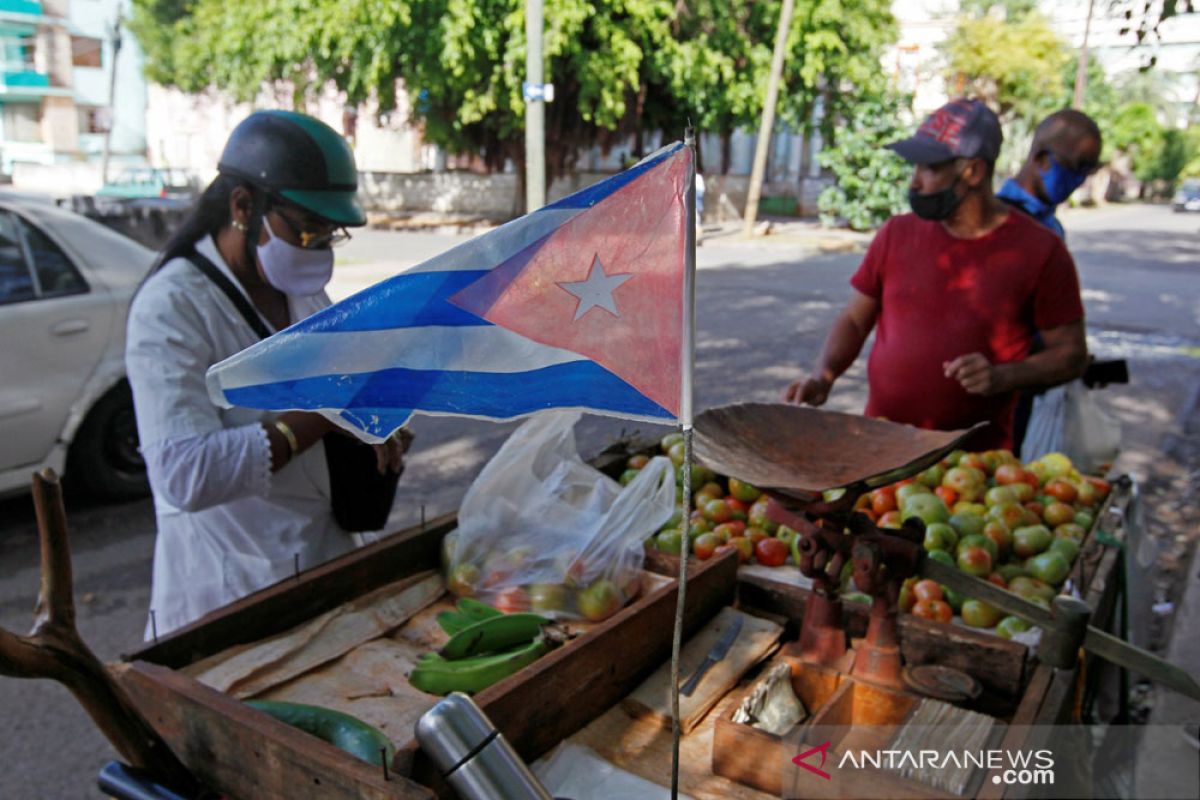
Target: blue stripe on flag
{"points": [[586, 198], [498, 395], [409, 299]]}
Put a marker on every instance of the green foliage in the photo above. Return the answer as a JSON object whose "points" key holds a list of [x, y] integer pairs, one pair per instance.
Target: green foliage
{"points": [[1136, 130], [872, 183], [618, 66], [1009, 64]]}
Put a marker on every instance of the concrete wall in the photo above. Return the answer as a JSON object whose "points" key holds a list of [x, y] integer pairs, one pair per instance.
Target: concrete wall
{"points": [[495, 196], [490, 196], [56, 180]]}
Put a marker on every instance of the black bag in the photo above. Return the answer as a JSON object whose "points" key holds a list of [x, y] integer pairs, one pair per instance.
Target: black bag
{"points": [[360, 496]]}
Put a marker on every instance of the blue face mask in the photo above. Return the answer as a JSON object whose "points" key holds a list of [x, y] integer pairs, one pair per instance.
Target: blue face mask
{"points": [[1059, 182]]}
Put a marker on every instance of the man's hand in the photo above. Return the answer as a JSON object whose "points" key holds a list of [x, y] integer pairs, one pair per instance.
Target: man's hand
{"points": [[389, 456], [813, 391], [975, 373]]}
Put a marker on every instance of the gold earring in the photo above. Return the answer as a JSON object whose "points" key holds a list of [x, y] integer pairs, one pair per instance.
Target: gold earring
{"points": [[240, 226]]}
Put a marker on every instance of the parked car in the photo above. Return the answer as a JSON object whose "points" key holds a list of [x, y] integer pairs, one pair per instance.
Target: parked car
{"points": [[141, 182], [1188, 196], [65, 287]]}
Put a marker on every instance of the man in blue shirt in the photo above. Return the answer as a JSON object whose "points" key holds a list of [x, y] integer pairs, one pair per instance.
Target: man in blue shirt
{"points": [[1065, 151]]}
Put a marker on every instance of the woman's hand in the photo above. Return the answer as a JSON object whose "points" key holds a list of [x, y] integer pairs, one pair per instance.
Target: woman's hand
{"points": [[389, 456]]}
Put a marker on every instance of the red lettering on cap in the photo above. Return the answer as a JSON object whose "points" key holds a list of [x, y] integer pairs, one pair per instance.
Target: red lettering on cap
{"points": [[943, 125]]}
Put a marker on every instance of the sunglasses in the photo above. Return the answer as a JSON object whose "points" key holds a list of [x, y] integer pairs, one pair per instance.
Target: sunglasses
{"points": [[325, 236], [1085, 167]]}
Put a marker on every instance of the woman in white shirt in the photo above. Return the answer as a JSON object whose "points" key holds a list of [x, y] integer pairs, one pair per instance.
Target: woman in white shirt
{"points": [[241, 496]]}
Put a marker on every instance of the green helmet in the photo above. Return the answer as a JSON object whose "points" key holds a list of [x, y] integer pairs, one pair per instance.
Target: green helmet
{"points": [[298, 158]]}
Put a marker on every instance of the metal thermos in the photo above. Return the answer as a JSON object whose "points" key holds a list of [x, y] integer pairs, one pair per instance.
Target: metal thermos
{"points": [[472, 756]]}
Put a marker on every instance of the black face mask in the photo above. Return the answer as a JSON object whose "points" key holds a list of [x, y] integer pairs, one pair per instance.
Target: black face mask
{"points": [[935, 206]]}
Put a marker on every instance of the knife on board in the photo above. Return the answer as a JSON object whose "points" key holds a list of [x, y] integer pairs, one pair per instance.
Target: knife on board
{"points": [[718, 652]]}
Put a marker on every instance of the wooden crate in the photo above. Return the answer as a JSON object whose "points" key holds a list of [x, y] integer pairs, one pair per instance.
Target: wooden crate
{"points": [[246, 754]]}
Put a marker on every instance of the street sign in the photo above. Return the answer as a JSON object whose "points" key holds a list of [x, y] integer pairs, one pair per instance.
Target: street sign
{"points": [[535, 92]]}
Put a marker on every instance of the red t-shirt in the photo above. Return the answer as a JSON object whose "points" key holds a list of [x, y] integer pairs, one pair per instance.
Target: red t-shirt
{"points": [[941, 298]]}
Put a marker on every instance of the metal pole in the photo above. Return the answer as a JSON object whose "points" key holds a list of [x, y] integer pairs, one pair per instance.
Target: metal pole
{"points": [[112, 97], [768, 118], [535, 109], [1081, 70], [685, 420]]}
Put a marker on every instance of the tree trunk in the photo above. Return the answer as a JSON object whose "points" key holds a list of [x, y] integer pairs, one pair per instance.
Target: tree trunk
{"points": [[726, 150]]}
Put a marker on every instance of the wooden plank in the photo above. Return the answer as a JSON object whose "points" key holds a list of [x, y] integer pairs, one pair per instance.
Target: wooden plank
{"points": [[1018, 727], [289, 603], [644, 748], [248, 755], [247, 670], [754, 642], [567, 689]]}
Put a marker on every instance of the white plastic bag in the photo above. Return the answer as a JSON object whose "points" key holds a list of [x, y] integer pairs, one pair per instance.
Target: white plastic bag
{"points": [[541, 529], [1067, 419]]}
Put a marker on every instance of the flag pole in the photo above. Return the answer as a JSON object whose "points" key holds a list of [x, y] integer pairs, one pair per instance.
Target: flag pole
{"points": [[685, 420]]}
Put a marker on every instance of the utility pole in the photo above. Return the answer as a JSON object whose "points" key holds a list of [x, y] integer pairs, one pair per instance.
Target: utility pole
{"points": [[1081, 70], [754, 191], [112, 97], [535, 109]]}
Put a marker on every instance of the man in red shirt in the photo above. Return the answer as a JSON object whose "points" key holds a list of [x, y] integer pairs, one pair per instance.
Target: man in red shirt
{"points": [[955, 292]]}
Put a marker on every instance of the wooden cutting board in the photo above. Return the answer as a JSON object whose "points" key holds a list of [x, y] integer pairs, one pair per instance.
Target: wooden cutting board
{"points": [[757, 639]]}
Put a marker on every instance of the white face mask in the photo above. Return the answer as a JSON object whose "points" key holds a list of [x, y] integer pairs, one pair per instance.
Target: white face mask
{"points": [[294, 270]]}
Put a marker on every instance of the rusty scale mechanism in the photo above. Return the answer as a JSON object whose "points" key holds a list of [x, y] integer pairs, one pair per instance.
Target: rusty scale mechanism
{"points": [[813, 489]]}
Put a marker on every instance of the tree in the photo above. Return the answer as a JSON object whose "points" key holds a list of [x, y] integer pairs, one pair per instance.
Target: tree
{"points": [[619, 66], [872, 182], [1009, 64], [1136, 130]]}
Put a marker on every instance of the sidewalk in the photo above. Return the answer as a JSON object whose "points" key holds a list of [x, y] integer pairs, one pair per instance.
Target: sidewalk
{"points": [[1167, 764]]}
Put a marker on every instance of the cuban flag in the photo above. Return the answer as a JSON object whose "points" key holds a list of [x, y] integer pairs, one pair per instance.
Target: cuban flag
{"points": [[578, 305]]}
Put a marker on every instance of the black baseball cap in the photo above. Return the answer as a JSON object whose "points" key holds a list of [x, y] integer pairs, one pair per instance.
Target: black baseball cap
{"points": [[960, 129]]}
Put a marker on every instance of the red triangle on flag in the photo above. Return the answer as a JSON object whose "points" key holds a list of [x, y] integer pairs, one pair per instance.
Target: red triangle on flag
{"points": [[607, 284]]}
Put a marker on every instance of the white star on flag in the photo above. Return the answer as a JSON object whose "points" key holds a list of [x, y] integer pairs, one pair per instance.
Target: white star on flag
{"points": [[597, 290]]}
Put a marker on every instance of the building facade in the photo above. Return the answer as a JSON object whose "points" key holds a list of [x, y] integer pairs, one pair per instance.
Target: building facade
{"points": [[58, 93]]}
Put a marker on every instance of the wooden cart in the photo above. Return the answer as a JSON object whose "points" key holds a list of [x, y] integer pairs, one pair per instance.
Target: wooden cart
{"points": [[245, 754]]}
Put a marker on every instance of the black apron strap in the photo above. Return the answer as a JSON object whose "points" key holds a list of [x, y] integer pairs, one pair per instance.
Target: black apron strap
{"points": [[238, 299]]}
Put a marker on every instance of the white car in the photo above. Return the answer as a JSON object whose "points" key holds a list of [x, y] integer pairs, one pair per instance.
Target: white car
{"points": [[65, 287]]}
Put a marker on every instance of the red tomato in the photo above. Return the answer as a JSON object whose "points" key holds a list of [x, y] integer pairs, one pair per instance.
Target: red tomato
{"points": [[705, 545], [927, 590], [997, 579], [1101, 486], [771, 552], [512, 600], [1036, 507], [1062, 490], [937, 610], [1009, 473], [883, 501], [948, 495], [975, 460]]}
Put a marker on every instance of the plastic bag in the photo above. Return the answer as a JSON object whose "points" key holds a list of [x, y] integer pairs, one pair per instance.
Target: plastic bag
{"points": [[1067, 419], [541, 530]]}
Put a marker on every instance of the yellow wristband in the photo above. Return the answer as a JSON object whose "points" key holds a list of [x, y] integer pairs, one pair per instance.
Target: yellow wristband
{"points": [[290, 435]]}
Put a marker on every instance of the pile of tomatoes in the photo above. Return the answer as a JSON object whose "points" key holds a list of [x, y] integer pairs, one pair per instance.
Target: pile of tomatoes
{"points": [[1017, 525], [728, 515]]}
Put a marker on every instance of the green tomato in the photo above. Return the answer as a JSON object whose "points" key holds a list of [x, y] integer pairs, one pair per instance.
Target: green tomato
{"points": [[1010, 625], [669, 541], [940, 536], [942, 557]]}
